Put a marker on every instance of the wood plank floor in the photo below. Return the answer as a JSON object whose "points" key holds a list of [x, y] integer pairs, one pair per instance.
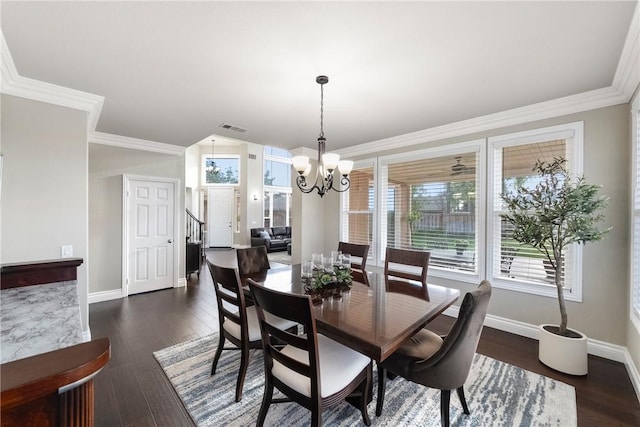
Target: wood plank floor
{"points": [[133, 391]]}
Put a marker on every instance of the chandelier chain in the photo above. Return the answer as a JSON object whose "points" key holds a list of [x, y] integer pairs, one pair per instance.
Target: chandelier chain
{"points": [[321, 110]]}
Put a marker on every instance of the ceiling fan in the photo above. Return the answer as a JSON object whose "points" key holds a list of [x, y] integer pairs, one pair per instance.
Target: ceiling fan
{"points": [[461, 169]]}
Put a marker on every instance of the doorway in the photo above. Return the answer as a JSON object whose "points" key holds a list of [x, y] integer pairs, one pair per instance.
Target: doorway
{"points": [[149, 225]]}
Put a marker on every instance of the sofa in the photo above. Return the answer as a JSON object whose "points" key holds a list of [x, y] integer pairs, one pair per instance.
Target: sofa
{"points": [[274, 238]]}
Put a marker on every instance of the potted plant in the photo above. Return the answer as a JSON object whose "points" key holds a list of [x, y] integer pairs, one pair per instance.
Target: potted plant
{"points": [[559, 211]]}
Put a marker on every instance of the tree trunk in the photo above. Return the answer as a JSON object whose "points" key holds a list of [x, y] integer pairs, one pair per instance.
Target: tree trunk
{"points": [[563, 309]]}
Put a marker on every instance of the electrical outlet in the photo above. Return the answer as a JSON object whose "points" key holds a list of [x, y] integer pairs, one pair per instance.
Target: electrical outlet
{"points": [[66, 251]]}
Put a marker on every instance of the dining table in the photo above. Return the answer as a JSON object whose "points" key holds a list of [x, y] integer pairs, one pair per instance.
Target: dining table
{"points": [[367, 318]]}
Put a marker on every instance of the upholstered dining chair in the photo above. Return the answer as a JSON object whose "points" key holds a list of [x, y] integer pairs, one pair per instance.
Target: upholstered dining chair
{"points": [[238, 323], [405, 271], [442, 362], [253, 262], [310, 369], [359, 255]]}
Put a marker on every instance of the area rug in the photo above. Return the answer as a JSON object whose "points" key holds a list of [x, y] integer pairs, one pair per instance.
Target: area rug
{"points": [[498, 394], [282, 257]]}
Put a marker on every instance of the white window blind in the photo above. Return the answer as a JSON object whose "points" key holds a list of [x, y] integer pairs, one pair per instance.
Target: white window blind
{"points": [[430, 204], [512, 158], [358, 207]]}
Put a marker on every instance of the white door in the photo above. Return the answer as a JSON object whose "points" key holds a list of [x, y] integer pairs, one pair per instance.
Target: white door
{"points": [[150, 225], [220, 218]]}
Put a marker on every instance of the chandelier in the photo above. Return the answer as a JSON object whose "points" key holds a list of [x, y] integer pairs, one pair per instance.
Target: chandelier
{"points": [[328, 163]]}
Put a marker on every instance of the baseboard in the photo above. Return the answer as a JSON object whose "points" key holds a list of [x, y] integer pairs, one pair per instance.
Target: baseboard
{"points": [[105, 296], [181, 283], [633, 373], [598, 348]]}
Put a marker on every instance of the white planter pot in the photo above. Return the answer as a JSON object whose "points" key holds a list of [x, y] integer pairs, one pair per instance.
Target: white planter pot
{"points": [[568, 355]]}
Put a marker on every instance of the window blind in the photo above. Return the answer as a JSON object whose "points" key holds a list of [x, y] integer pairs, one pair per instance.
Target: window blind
{"points": [[357, 208], [430, 205], [513, 260]]}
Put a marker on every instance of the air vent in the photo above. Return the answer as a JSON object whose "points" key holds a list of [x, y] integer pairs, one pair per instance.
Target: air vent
{"points": [[232, 127], [252, 156]]}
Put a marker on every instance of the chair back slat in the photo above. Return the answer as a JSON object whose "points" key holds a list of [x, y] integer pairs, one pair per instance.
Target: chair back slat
{"points": [[405, 271], [355, 250], [253, 262]]}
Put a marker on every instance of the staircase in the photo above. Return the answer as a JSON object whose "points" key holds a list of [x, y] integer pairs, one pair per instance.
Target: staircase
{"points": [[195, 244]]}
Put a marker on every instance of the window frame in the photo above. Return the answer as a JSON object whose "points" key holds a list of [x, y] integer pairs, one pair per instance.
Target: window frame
{"points": [[634, 283], [478, 147], [573, 134]]}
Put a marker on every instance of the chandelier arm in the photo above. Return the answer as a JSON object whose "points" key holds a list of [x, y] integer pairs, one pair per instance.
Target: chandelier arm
{"points": [[346, 184], [301, 182]]}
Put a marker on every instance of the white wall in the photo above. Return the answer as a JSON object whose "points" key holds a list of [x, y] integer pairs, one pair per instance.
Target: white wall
{"points": [[44, 186]]}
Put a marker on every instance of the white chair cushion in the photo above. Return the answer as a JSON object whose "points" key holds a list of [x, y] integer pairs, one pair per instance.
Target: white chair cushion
{"points": [[254, 327], [339, 365]]}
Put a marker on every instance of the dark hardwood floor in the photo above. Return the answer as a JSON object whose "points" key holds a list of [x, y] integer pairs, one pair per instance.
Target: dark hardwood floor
{"points": [[133, 391]]}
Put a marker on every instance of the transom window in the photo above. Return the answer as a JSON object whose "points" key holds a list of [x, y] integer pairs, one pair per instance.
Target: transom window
{"points": [[220, 169]]}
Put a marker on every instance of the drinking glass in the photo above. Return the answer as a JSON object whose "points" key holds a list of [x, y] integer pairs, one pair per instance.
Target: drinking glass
{"points": [[328, 264], [318, 261], [307, 269], [336, 258], [346, 261]]}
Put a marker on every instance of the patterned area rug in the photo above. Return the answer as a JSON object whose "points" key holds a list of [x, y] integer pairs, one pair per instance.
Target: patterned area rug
{"points": [[498, 394]]}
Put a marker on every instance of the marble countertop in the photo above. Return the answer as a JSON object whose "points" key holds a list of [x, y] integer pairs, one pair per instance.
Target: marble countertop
{"points": [[37, 319]]}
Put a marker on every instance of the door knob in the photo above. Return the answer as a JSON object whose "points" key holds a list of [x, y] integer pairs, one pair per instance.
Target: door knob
{"points": [[170, 241]]}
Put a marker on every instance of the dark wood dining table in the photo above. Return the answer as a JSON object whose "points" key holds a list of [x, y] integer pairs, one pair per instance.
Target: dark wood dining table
{"points": [[368, 319]]}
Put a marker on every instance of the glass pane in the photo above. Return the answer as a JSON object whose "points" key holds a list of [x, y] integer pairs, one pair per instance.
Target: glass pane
{"points": [[277, 173], [431, 206], [279, 218], [222, 170], [515, 260], [278, 152]]}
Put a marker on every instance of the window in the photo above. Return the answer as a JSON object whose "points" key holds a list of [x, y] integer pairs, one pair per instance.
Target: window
{"points": [[511, 160], [220, 169], [635, 260], [358, 207], [429, 201], [277, 187]]}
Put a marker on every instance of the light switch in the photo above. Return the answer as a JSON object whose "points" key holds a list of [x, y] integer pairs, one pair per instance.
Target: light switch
{"points": [[66, 251]]}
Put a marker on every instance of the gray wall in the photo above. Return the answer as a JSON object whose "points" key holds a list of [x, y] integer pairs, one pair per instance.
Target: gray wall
{"points": [[44, 185], [604, 311], [107, 164]]}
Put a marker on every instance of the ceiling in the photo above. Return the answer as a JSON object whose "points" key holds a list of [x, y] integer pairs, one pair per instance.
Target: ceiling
{"points": [[173, 72]]}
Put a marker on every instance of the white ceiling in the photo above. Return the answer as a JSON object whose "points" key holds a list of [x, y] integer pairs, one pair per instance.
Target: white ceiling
{"points": [[172, 72]]}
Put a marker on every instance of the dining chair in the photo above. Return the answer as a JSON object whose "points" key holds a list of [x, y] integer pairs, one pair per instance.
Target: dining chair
{"points": [[238, 323], [359, 254], [405, 271], [311, 369], [253, 263], [441, 362]]}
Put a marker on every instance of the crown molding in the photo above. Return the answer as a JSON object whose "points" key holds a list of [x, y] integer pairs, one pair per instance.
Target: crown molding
{"points": [[135, 143], [16, 85], [625, 82]]}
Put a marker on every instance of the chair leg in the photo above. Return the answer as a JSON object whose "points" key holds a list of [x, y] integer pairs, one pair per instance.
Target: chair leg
{"points": [[266, 401], [218, 354], [382, 378], [445, 397], [244, 363], [366, 385], [316, 415], [463, 401]]}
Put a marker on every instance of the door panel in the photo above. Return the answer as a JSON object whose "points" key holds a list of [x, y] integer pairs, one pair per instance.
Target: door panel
{"points": [[151, 235], [220, 225]]}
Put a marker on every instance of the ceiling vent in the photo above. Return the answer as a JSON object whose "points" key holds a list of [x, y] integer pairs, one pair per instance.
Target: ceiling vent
{"points": [[232, 127]]}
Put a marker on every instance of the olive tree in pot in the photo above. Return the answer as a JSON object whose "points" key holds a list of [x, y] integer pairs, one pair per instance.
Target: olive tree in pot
{"points": [[559, 211]]}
